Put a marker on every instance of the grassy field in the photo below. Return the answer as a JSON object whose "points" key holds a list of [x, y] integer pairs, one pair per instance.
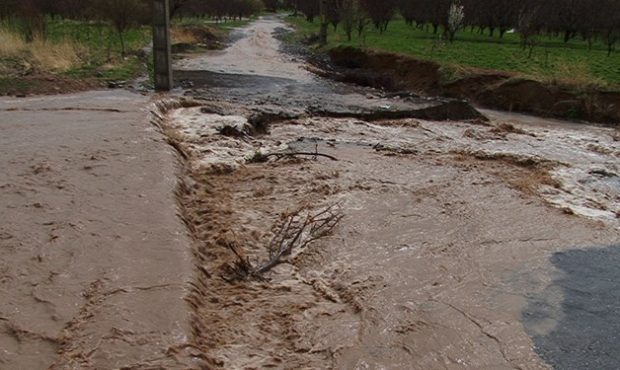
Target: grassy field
{"points": [[74, 50], [552, 60], [85, 51]]}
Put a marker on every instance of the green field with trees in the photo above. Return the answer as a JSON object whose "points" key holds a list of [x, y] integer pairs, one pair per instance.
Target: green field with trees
{"points": [[571, 41], [104, 40], [550, 60]]}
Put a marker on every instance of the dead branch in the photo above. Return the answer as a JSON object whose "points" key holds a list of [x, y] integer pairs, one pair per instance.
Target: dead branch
{"points": [[292, 235], [297, 231], [282, 155], [242, 268], [258, 158]]}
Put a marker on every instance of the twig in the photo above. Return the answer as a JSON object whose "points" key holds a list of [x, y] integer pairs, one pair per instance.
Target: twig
{"points": [[258, 158], [280, 155], [295, 232]]}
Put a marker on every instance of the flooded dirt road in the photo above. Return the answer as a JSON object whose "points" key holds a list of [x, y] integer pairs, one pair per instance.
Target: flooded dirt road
{"points": [[463, 243], [93, 260]]}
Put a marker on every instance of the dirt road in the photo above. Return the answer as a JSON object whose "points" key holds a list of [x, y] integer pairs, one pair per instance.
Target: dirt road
{"points": [[93, 260], [463, 245]]}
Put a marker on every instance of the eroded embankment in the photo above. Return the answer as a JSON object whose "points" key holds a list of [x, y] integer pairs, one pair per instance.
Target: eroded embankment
{"points": [[437, 219], [490, 89]]}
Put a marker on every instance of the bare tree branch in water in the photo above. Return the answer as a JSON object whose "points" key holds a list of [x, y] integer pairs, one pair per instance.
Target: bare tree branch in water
{"points": [[293, 234]]}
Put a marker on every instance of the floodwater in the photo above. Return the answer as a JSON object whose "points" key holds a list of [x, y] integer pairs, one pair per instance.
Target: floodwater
{"points": [[93, 260], [463, 244]]}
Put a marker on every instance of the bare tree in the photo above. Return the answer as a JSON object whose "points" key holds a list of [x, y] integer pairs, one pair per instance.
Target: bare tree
{"points": [[310, 8], [526, 25], [380, 12], [32, 21], [123, 14], [350, 15], [456, 16]]}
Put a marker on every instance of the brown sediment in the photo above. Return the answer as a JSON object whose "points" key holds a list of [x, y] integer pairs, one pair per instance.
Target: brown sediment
{"points": [[45, 84], [245, 323], [526, 174], [186, 38], [441, 247]]}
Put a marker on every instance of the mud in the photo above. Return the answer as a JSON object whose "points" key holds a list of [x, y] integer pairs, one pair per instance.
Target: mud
{"points": [[414, 277], [449, 240]]}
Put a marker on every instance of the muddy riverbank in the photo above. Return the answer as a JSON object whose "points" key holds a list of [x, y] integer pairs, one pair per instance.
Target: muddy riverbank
{"points": [[489, 89]]}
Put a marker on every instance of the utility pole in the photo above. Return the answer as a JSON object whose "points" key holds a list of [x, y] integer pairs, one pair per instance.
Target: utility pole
{"points": [[161, 45], [324, 25]]}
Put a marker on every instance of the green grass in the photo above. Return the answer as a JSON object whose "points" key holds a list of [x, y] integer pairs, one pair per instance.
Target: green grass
{"points": [[100, 46], [124, 69], [103, 49], [12, 83], [100, 39], [552, 59]]}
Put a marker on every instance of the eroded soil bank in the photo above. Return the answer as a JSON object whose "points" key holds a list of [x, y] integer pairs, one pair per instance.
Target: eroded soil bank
{"points": [[460, 245], [489, 89]]}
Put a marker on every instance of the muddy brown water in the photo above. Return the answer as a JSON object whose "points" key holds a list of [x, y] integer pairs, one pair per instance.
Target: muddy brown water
{"points": [[93, 260], [464, 245]]}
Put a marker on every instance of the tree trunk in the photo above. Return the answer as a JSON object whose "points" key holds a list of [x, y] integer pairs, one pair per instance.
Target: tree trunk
{"points": [[120, 36], [323, 32]]}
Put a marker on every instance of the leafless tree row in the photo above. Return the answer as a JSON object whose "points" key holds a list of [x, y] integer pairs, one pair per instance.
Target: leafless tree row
{"points": [[85, 9], [30, 17], [122, 14], [585, 19]]}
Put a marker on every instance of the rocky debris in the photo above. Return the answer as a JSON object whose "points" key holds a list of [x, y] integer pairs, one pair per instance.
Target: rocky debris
{"points": [[116, 84], [237, 129], [262, 117]]}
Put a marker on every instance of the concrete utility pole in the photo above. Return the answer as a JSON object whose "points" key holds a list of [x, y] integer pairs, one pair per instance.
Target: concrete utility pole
{"points": [[161, 45]]}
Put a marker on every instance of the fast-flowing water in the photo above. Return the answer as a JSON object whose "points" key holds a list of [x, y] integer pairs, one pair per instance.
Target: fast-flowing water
{"points": [[464, 245]]}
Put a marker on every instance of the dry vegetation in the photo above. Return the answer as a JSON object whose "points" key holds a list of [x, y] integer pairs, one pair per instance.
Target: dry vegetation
{"points": [[181, 35], [40, 54]]}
